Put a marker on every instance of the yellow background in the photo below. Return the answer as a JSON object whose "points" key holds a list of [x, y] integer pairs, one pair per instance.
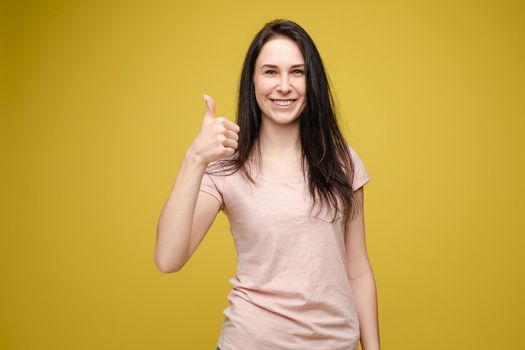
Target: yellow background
{"points": [[101, 99]]}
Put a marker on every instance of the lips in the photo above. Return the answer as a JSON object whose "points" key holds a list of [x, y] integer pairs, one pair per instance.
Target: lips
{"points": [[283, 103]]}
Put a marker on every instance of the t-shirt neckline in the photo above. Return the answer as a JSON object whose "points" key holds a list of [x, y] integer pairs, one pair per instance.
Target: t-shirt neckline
{"points": [[288, 177]]}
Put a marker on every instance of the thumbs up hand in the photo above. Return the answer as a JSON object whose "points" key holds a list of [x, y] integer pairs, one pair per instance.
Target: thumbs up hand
{"points": [[218, 137]]}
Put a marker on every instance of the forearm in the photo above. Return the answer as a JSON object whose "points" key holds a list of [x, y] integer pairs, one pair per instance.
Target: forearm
{"points": [[365, 296], [175, 222]]}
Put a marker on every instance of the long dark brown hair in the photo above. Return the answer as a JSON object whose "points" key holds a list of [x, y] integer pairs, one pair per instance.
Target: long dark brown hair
{"points": [[324, 149]]}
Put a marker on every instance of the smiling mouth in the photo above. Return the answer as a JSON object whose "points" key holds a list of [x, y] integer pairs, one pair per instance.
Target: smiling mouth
{"points": [[283, 103]]}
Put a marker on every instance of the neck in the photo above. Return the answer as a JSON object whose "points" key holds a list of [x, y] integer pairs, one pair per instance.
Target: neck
{"points": [[280, 141]]}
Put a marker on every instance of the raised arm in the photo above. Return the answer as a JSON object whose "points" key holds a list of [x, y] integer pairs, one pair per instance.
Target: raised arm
{"points": [[188, 213]]}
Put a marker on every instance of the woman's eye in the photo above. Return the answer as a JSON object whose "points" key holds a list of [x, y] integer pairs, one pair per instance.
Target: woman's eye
{"points": [[272, 71]]}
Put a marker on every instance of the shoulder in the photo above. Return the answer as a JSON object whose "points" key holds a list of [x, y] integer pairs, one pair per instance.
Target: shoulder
{"points": [[354, 155], [350, 149], [221, 169]]}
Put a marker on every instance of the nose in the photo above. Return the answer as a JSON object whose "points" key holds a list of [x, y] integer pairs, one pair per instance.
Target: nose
{"points": [[284, 84]]}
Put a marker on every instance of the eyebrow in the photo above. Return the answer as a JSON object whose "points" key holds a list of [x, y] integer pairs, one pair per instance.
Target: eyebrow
{"points": [[274, 66]]}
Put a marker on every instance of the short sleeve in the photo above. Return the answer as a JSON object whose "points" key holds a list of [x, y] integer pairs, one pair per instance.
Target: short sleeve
{"points": [[361, 176], [213, 183]]}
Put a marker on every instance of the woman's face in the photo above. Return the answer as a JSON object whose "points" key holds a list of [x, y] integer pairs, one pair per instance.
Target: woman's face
{"points": [[280, 81]]}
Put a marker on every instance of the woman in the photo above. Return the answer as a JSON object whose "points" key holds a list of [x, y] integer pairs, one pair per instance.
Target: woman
{"points": [[303, 277]]}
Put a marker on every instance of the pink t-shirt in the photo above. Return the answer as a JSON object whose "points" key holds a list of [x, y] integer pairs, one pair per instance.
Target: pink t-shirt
{"points": [[291, 289]]}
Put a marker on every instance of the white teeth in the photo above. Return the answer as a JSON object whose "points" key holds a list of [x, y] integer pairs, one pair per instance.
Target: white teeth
{"points": [[283, 102]]}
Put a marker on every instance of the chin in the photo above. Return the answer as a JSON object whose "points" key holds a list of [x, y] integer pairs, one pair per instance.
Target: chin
{"points": [[283, 119]]}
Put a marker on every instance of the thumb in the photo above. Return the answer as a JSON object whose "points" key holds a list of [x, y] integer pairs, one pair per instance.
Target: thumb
{"points": [[210, 106]]}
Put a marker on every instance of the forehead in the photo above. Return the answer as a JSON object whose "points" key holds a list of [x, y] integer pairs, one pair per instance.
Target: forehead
{"points": [[280, 51]]}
